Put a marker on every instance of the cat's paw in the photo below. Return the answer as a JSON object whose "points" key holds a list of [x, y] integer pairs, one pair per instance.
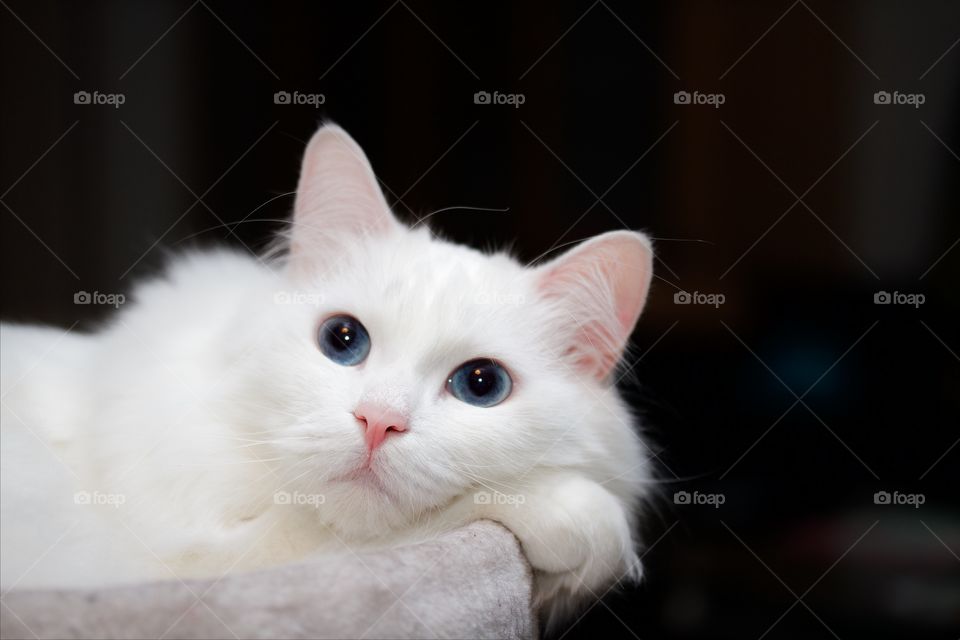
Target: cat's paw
{"points": [[577, 537]]}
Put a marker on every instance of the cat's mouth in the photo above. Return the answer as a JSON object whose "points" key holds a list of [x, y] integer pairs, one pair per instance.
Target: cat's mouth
{"points": [[366, 476], [369, 480]]}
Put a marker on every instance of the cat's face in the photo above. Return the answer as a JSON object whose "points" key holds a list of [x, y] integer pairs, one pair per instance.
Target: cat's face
{"points": [[406, 371]]}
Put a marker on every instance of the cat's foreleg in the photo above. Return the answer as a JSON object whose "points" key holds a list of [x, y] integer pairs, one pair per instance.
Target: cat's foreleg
{"points": [[575, 534]]}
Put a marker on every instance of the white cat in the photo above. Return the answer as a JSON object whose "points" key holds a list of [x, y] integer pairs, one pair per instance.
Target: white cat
{"points": [[369, 387]]}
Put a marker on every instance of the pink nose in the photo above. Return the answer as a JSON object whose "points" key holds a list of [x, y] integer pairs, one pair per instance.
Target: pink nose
{"points": [[378, 422]]}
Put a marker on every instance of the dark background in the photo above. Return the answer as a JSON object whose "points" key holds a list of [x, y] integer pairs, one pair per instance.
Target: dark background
{"points": [[798, 549]]}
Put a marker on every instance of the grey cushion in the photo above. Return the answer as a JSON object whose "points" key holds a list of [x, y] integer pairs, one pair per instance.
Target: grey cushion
{"points": [[470, 583]]}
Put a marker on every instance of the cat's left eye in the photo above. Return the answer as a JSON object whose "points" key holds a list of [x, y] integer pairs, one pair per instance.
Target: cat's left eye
{"points": [[344, 340], [483, 383]]}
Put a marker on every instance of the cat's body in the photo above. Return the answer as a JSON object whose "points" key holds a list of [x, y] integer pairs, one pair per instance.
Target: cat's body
{"points": [[203, 431]]}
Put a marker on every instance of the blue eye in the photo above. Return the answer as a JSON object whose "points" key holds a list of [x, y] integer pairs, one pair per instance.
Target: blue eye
{"points": [[482, 383], [344, 340]]}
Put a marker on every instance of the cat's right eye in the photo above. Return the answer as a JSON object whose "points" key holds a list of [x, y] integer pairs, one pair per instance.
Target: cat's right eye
{"points": [[344, 340], [482, 383]]}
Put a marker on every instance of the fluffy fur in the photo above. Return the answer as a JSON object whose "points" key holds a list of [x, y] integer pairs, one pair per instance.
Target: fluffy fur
{"points": [[202, 431]]}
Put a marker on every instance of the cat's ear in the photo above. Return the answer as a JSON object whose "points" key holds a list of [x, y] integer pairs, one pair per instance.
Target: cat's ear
{"points": [[337, 194], [599, 289]]}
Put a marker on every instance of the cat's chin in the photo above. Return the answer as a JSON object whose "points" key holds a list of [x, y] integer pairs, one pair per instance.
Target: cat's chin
{"points": [[362, 508]]}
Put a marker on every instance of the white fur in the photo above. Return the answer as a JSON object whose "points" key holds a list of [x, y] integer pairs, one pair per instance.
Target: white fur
{"points": [[207, 397]]}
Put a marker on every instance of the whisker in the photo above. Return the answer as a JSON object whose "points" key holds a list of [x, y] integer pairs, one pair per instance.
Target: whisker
{"points": [[246, 218], [227, 464], [433, 213]]}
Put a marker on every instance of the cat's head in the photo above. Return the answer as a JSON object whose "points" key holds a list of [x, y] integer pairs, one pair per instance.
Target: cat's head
{"points": [[407, 371]]}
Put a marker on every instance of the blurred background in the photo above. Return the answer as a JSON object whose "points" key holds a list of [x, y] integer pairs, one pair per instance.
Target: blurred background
{"points": [[797, 163]]}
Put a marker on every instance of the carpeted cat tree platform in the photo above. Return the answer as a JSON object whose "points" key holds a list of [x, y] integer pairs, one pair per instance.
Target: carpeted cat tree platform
{"points": [[469, 583]]}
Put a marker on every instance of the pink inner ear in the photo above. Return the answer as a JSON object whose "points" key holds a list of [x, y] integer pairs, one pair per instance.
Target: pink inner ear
{"points": [[337, 195], [603, 285], [591, 358], [336, 175]]}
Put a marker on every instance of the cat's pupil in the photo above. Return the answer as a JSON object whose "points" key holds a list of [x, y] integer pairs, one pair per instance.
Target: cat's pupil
{"points": [[481, 382], [341, 337]]}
